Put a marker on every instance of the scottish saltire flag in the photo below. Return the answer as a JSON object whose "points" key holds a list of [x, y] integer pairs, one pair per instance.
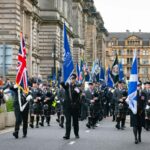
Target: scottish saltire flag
{"points": [[102, 73], [68, 66], [21, 77], [109, 79], [78, 71], [121, 73], [132, 86]]}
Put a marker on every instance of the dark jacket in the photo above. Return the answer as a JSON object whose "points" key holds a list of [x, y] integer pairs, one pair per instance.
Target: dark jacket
{"points": [[138, 120], [72, 98]]}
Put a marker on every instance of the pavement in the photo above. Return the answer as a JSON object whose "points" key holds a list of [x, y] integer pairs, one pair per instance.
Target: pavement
{"points": [[104, 137]]}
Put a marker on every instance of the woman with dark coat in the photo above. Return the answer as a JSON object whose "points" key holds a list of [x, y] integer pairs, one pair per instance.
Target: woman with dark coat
{"points": [[138, 120]]}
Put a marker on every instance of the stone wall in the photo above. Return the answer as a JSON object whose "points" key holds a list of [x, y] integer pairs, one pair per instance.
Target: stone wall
{"points": [[42, 25]]}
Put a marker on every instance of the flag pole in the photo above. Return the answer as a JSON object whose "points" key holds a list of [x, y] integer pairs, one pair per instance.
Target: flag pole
{"points": [[19, 99]]}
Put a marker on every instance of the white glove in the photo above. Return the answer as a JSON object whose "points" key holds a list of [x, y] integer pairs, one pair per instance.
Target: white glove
{"points": [[77, 90], [147, 107], [28, 98]]}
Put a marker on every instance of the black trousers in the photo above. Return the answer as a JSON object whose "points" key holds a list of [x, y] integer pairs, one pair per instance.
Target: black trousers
{"points": [[21, 117], [74, 116]]}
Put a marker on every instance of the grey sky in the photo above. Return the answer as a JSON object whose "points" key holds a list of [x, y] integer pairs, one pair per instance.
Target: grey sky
{"points": [[120, 15]]}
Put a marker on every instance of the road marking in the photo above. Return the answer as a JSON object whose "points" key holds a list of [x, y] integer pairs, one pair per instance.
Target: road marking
{"points": [[72, 142], [87, 131]]}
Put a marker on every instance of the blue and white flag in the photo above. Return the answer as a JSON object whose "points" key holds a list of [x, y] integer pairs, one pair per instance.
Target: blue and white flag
{"points": [[102, 74], [110, 82], [68, 62], [121, 74], [132, 86], [78, 71]]}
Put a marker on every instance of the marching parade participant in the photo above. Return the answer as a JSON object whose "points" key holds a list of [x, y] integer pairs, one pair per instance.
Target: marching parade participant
{"points": [[71, 106]]}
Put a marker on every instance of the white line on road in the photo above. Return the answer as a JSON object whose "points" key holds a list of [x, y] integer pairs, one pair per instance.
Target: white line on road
{"points": [[87, 131], [72, 142]]}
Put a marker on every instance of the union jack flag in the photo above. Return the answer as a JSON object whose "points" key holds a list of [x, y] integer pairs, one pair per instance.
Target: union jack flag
{"points": [[21, 77]]}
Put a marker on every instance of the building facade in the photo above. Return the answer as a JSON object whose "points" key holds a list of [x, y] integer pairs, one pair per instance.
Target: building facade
{"points": [[42, 25], [124, 44]]}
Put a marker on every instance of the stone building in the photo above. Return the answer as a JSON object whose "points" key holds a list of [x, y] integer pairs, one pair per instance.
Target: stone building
{"points": [[124, 43], [95, 34], [41, 22], [19, 16]]}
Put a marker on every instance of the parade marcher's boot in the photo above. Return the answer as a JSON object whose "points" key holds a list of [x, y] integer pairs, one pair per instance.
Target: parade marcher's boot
{"points": [[31, 121], [61, 121], [113, 117], [146, 124], [66, 137], [89, 122], [58, 117], [37, 121], [118, 123], [15, 134], [122, 124], [42, 121], [25, 130], [48, 118], [139, 133], [135, 130], [24, 134]]}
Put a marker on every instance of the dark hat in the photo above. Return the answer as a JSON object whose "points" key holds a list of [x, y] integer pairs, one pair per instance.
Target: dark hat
{"points": [[90, 83], [48, 94], [146, 83], [73, 76], [119, 81], [95, 94]]}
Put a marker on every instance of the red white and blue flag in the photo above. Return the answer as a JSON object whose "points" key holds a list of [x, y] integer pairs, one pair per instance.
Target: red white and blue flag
{"points": [[21, 77]]}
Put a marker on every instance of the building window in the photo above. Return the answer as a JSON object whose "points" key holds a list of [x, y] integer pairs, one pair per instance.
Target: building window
{"points": [[129, 60], [145, 71], [145, 61]]}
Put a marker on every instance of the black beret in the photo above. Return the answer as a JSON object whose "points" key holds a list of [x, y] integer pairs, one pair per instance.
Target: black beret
{"points": [[90, 83], [73, 76]]}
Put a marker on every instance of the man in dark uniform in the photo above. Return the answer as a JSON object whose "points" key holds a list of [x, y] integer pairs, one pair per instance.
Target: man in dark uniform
{"points": [[119, 96], [138, 120], [21, 116], [35, 105], [71, 106]]}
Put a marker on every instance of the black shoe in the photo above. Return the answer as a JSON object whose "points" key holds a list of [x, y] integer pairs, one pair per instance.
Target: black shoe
{"points": [[66, 137], [136, 141], [37, 126], [139, 139], [57, 120], [117, 126], [15, 134], [24, 136], [77, 137], [41, 124], [61, 125], [122, 128], [31, 125], [88, 125]]}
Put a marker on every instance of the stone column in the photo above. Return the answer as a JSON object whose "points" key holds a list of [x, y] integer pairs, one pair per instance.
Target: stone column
{"points": [[30, 50]]}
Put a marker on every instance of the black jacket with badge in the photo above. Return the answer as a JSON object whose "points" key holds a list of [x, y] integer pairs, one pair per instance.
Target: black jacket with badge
{"points": [[72, 97]]}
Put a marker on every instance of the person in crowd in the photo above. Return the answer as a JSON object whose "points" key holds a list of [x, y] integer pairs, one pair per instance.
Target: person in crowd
{"points": [[138, 119], [71, 106]]}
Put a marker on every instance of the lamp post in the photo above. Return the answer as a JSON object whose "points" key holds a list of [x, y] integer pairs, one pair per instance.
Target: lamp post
{"points": [[54, 59], [54, 56]]}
